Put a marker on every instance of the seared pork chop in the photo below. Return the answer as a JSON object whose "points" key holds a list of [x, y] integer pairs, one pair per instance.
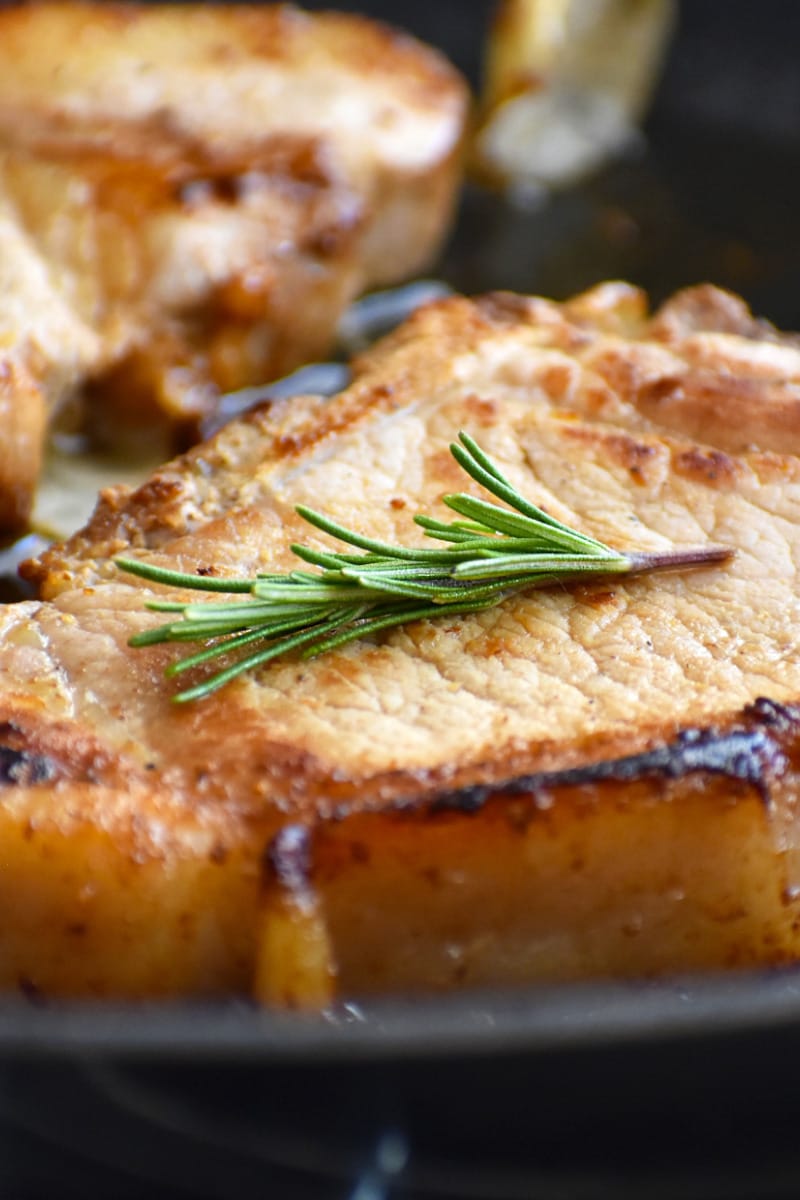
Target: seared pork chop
{"points": [[191, 195], [580, 782]]}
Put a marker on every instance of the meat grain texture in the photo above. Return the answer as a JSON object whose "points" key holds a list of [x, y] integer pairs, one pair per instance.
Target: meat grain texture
{"points": [[191, 197], [582, 782]]}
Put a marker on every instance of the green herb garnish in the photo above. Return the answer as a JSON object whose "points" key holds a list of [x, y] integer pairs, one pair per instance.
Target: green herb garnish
{"points": [[493, 552]]}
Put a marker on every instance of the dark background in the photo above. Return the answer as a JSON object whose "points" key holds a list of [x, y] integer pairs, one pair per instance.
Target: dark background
{"points": [[714, 197]]}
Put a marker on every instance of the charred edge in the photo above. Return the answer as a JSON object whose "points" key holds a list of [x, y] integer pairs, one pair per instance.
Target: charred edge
{"points": [[288, 857], [750, 756], [777, 716], [21, 768]]}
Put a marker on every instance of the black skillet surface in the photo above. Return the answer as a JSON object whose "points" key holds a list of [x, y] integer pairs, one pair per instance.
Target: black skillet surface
{"points": [[641, 1090]]}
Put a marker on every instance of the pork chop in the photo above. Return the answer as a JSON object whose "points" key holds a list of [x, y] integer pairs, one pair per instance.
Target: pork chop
{"points": [[580, 782], [191, 196]]}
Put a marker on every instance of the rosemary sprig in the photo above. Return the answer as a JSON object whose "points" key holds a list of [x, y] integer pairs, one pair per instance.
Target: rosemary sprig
{"points": [[492, 552]]}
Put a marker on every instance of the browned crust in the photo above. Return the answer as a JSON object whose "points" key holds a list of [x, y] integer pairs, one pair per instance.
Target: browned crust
{"points": [[277, 33], [607, 327], [759, 747], [233, 771], [23, 419]]}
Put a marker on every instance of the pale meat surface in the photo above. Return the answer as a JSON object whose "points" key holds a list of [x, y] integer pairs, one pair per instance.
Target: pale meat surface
{"points": [[540, 676], [548, 681], [191, 198]]}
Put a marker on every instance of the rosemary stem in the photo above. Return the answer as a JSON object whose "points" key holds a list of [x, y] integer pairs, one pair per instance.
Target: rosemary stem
{"points": [[490, 553], [680, 558]]}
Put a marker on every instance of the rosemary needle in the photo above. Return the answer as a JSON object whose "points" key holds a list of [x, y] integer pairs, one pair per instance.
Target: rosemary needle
{"points": [[492, 551]]}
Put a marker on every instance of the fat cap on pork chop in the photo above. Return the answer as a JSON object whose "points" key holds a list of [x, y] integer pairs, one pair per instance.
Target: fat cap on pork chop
{"points": [[190, 196], [582, 781]]}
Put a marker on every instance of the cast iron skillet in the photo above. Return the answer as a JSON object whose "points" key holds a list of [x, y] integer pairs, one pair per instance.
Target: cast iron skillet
{"points": [[661, 1089]]}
